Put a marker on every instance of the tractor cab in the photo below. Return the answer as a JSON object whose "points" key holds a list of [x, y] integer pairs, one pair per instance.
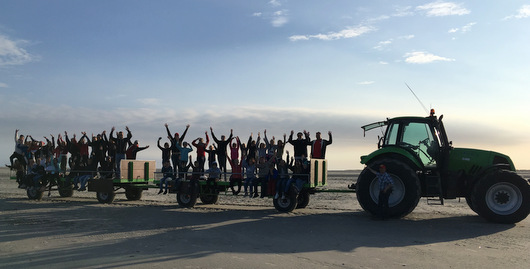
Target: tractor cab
{"points": [[421, 139]]}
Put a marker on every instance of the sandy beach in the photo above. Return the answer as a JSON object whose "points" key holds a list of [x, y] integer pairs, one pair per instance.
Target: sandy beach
{"points": [[238, 232]]}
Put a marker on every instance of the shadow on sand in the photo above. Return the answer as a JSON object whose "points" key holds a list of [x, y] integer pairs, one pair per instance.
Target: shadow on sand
{"points": [[91, 234]]}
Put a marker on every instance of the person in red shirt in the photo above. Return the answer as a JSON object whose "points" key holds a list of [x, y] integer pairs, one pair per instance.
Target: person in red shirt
{"points": [[318, 146], [201, 150]]}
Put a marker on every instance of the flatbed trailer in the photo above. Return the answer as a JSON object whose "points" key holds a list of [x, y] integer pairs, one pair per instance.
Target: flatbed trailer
{"points": [[139, 175], [189, 191]]}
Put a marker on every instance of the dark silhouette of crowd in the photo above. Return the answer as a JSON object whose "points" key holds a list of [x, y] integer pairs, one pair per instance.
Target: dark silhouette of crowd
{"points": [[252, 164]]}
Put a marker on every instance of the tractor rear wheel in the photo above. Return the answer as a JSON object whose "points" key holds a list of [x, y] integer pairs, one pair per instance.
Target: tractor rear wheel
{"points": [[406, 191], [502, 196]]}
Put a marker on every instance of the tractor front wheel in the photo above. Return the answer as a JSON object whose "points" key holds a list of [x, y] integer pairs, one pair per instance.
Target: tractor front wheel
{"points": [[502, 196]]}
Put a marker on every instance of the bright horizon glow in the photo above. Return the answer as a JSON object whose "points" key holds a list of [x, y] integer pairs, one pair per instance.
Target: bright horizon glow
{"points": [[274, 65]]}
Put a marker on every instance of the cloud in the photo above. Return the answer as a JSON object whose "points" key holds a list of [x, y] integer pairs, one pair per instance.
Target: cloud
{"points": [[257, 14], [3, 85], [466, 28], [403, 12], [440, 8], [523, 12], [149, 101], [275, 3], [365, 82], [279, 18], [381, 45], [11, 52], [420, 57], [350, 32], [406, 37]]}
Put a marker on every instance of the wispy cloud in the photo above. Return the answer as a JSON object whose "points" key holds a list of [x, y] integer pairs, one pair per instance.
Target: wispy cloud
{"points": [[365, 82], [420, 57], [279, 18], [464, 29], [275, 3], [3, 85], [383, 44], [523, 12], [149, 101], [440, 8], [12, 53], [350, 32]]}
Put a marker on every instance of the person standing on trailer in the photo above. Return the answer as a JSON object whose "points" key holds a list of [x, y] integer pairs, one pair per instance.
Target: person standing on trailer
{"points": [[133, 150], [221, 149], [176, 140], [166, 151], [300, 144], [121, 147], [201, 150], [385, 189], [19, 151], [318, 146]]}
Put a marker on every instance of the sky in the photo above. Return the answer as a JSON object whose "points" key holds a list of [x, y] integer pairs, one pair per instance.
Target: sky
{"points": [[250, 66]]}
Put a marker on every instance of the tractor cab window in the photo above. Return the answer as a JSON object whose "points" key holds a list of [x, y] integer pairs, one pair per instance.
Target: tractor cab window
{"points": [[419, 138], [392, 134]]}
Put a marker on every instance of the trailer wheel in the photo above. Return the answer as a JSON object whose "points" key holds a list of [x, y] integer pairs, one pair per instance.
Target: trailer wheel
{"points": [[65, 188], [406, 190], [185, 199], [303, 199], [34, 193], [289, 203], [209, 198], [502, 196], [133, 193], [105, 197]]}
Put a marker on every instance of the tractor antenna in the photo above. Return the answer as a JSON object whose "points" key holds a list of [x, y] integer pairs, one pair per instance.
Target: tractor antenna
{"points": [[424, 108]]}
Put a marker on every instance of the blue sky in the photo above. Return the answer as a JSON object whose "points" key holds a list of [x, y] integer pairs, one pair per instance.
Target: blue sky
{"points": [[277, 65]]}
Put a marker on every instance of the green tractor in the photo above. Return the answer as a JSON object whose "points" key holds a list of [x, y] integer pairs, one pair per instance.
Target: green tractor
{"points": [[422, 162]]}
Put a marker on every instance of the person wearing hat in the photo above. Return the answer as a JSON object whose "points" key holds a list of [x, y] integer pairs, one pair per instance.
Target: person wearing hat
{"points": [[385, 189]]}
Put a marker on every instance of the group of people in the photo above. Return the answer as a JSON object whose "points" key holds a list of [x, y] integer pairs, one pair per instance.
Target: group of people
{"points": [[252, 164], [87, 156]]}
